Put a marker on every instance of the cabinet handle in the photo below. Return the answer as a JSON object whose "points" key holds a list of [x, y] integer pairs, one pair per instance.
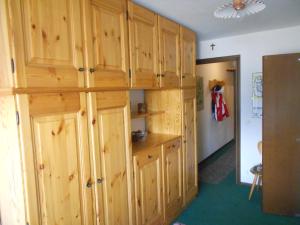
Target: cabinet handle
{"points": [[89, 183], [184, 141], [158, 75], [183, 76], [173, 145], [100, 180], [92, 70], [81, 69], [162, 75], [150, 156]]}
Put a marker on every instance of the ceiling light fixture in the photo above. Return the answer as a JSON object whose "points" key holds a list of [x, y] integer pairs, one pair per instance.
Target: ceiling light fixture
{"points": [[239, 8]]}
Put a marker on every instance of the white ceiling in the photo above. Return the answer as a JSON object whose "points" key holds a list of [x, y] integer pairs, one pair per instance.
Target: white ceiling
{"points": [[198, 15]]}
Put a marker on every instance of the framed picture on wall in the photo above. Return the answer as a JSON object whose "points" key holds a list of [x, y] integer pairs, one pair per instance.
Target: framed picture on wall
{"points": [[199, 93], [257, 95]]}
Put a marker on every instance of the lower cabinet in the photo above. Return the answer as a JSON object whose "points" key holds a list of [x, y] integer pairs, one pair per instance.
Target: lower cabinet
{"points": [[56, 162], [111, 156], [148, 187], [172, 173], [190, 164], [158, 183]]}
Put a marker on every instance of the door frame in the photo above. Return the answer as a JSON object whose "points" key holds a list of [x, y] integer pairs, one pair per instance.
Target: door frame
{"points": [[237, 104]]}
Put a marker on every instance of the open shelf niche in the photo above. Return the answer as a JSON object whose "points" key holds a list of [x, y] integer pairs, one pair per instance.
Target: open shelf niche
{"points": [[162, 121]]}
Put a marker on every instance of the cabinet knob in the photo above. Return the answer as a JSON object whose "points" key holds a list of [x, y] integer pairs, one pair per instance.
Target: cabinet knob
{"points": [[81, 69], [150, 156], [162, 75], [100, 180], [158, 75], [89, 183], [183, 76], [92, 70]]}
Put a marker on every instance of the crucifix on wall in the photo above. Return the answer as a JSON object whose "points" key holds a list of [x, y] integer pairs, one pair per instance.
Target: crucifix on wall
{"points": [[212, 46]]}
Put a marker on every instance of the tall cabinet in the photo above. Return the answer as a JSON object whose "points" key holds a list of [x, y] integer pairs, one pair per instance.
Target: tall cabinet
{"points": [[67, 155]]}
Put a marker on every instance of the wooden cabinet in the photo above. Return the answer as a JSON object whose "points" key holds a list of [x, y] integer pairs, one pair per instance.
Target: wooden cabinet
{"points": [[55, 151], [109, 117], [169, 53], [188, 57], [190, 168], [106, 26], [48, 43], [172, 179], [66, 68], [148, 187], [143, 47]]}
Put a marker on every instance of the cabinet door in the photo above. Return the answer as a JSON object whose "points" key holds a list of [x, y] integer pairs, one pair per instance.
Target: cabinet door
{"points": [[169, 53], [188, 58], [108, 47], [190, 169], [148, 187], [109, 123], [143, 47], [172, 170], [49, 44], [53, 129]]}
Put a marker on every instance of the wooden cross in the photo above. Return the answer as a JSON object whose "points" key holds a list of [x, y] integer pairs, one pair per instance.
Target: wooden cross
{"points": [[212, 46]]}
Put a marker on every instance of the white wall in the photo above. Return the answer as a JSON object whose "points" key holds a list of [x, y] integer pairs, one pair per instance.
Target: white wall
{"points": [[212, 135], [251, 47]]}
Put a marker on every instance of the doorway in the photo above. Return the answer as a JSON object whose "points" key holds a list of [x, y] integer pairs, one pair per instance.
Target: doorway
{"points": [[223, 137]]}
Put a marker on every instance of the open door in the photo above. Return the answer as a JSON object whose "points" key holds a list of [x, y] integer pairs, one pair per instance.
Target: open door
{"points": [[281, 134]]}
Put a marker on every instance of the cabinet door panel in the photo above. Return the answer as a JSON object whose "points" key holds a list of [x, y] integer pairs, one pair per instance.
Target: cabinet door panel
{"points": [[169, 52], [188, 58], [57, 160], [49, 40], [113, 160], [111, 149], [172, 160], [148, 187], [143, 47], [189, 145], [109, 44]]}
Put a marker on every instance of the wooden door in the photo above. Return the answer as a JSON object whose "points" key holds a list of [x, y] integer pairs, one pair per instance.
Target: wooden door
{"points": [[148, 187], [188, 57], [143, 46], [169, 53], [109, 123], [281, 134], [48, 43], [106, 27], [58, 187], [190, 168], [172, 170]]}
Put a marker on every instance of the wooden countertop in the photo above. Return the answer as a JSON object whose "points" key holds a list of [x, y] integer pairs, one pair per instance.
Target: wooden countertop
{"points": [[152, 141]]}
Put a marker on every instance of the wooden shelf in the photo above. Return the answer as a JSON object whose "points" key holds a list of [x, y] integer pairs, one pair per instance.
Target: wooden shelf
{"points": [[136, 115], [152, 141]]}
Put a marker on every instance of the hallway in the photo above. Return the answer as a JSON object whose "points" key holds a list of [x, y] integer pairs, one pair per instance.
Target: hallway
{"points": [[226, 203]]}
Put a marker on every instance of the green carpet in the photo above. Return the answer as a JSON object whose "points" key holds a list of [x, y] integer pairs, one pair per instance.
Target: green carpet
{"points": [[227, 204]]}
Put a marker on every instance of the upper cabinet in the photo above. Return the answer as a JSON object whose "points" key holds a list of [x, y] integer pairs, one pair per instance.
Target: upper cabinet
{"points": [[143, 47], [188, 57], [107, 43], [169, 53], [48, 43]]}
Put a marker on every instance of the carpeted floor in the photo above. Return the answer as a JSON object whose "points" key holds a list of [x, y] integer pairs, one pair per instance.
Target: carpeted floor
{"points": [[226, 203], [219, 165]]}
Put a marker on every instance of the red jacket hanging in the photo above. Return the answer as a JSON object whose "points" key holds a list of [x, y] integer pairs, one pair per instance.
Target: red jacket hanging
{"points": [[219, 108]]}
